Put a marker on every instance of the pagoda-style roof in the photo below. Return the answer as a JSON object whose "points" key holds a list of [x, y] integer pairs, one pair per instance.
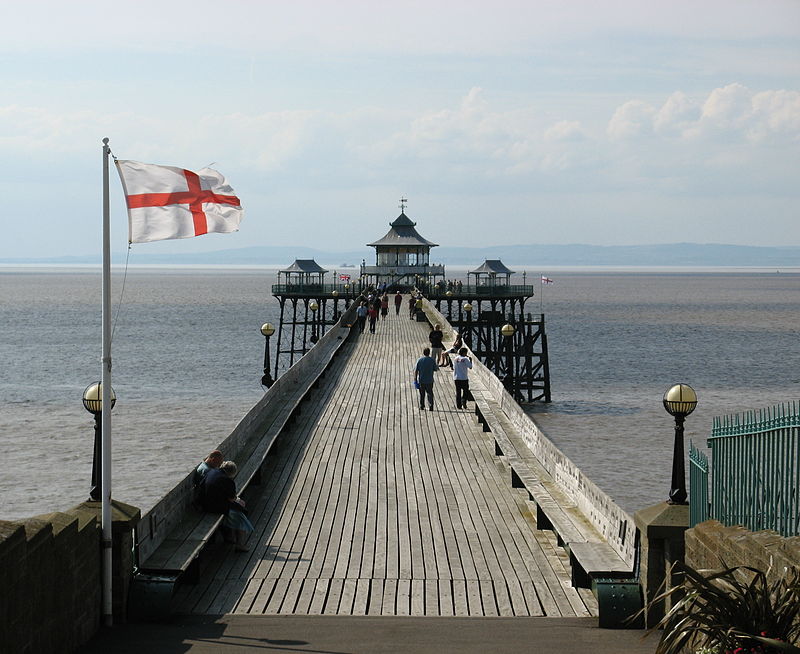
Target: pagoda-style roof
{"points": [[304, 266], [492, 267], [402, 234]]}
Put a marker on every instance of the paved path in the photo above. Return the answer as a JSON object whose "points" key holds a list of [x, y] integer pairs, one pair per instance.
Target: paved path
{"points": [[373, 507], [325, 634]]}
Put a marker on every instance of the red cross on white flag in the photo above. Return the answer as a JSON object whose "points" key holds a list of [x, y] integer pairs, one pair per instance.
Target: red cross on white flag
{"points": [[166, 202]]}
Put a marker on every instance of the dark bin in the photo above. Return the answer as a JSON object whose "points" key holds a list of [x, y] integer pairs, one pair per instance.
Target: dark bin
{"points": [[150, 597]]}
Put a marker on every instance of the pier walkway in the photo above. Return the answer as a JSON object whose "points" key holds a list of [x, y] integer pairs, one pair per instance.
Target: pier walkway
{"points": [[372, 507]]}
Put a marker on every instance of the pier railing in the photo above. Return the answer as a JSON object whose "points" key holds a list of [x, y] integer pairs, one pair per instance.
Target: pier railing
{"points": [[466, 292], [698, 486], [755, 470], [354, 288]]}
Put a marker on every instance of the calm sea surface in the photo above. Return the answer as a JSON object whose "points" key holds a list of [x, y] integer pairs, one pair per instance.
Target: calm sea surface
{"points": [[187, 357]]}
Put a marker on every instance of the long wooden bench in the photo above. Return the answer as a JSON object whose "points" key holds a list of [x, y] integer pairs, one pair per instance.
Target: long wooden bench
{"points": [[591, 557], [179, 553], [177, 557]]}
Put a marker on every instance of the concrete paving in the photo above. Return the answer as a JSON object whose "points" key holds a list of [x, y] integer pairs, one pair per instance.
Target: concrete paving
{"points": [[370, 635]]}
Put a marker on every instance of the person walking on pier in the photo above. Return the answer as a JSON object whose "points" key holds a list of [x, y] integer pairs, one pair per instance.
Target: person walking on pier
{"points": [[412, 305], [423, 376], [384, 306], [461, 365], [398, 302], [361, 312], [372, 312], [435, 337]]}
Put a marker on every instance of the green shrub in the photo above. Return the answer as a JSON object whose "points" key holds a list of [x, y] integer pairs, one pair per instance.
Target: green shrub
{"points": [[733, 611]]}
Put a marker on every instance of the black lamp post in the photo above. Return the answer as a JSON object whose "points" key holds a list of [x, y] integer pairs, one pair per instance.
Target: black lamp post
{"points": [[468, 336], [507, 331], [679, 401], [268, 330], [314, 307], [93, 403]]}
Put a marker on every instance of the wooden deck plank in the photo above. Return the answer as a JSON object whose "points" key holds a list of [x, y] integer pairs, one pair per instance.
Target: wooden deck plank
{"points": [[403, 598], [334, 596], [418, 597]]}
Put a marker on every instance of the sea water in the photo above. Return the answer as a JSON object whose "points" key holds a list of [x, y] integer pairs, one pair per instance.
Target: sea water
{"points": [[188, 355]]}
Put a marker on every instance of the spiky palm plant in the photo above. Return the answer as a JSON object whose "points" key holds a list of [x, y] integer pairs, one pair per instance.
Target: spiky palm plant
{"points": [[733, 611]]}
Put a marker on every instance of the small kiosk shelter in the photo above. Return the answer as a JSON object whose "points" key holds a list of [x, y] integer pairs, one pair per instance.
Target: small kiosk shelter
{"points": [[402, 258], [302, 273], [492, 272]]}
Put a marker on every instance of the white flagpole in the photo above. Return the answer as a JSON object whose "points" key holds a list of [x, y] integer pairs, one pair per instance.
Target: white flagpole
{"points": [[105, 470]]}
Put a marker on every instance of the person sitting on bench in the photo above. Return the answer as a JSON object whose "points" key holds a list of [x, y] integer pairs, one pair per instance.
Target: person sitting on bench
{"points": [[219, 496]]}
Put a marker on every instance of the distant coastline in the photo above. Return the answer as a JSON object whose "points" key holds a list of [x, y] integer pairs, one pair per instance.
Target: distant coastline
{"points": [[691, 255]]}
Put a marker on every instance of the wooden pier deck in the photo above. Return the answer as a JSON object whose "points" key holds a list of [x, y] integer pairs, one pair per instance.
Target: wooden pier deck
{"points": [[373, 507]]}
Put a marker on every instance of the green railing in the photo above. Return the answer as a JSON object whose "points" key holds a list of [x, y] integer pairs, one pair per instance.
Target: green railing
{"points": [[755, 476], [698, 486]]}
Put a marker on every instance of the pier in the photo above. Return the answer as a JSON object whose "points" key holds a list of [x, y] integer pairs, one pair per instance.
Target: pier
{"points": [[379, 527], [384, 528], [373, 507]]}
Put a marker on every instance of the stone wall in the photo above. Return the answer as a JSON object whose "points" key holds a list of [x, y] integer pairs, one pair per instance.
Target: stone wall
{"points": [[50, 575], [712, 545]]}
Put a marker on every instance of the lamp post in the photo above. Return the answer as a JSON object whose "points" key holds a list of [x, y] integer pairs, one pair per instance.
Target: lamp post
{"points": [[314, 307], [335, 295], [679, 401], [268, 330], [93, 403], [468, 336], [507, 331]]}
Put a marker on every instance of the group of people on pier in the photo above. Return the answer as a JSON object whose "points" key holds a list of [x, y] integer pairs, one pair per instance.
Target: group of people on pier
{"points": [[215, 492], [373, 305], [433, 358]]}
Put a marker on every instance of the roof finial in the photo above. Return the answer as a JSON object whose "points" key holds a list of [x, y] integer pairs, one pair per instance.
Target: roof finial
{"points": [[403, 204]]}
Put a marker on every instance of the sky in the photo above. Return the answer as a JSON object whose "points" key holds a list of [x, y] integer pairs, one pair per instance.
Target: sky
{"points": [[502, 122]]}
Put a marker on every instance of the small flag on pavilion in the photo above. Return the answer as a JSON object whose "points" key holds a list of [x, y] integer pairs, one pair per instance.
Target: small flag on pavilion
{"points": [[344, 278], [546, 280], [166, 202]]}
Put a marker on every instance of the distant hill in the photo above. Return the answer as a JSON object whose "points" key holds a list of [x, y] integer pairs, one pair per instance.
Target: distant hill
{"points": [[677, 254]]}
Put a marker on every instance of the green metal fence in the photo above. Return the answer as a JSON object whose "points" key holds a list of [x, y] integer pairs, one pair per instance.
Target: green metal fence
{"points": [[698, 486], [755, 475]]}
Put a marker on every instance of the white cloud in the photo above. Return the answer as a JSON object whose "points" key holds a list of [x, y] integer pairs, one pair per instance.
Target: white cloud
{"points": [[632, 119], [776, 113], [730, 113], [728, 108], [676, 115], [565, 130]]}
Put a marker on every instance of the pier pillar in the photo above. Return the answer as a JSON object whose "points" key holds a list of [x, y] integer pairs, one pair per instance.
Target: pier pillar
{"points": [[662, 528], [124, 518]]}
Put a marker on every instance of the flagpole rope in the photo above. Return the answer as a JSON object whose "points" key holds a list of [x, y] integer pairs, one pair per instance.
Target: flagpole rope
{"points": [[122, 293], [124, 275]]}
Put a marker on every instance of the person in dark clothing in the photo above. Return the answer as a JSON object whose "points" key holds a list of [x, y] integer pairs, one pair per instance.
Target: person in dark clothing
{"points": [[435, 337], [361, 313], [423, 375], [398, 302], [219, 496]]}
